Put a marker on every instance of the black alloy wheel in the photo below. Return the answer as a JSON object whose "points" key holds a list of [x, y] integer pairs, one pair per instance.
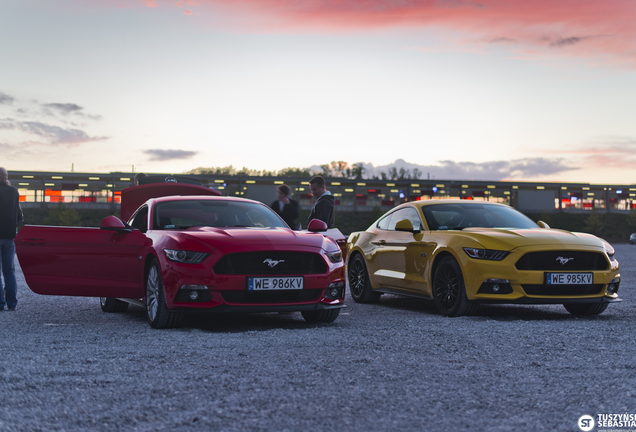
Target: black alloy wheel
{"points": [[449, 290], [359, 284]]}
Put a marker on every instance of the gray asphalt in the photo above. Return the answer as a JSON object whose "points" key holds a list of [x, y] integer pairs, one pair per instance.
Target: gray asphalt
{"points": [[398, 365]]}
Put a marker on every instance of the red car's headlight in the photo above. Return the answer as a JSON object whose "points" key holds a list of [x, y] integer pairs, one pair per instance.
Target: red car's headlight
{"points": [[335, 257], [185, 256]]}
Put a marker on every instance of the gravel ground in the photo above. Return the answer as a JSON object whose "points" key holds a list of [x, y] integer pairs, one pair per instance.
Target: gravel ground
{"points": [[398, 365]]}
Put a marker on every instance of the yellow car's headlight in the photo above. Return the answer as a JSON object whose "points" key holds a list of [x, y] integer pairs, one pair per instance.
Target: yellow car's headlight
{"points": [[486, 254], [609, 250]]}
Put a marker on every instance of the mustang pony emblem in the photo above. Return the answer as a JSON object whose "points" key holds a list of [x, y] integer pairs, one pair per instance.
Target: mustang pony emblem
{"points": [[272, 263], [564, 261]]}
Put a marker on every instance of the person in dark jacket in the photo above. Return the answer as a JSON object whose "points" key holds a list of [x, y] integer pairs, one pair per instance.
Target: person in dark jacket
{"points": [[10, 217], [286, 207], [324, 207]]}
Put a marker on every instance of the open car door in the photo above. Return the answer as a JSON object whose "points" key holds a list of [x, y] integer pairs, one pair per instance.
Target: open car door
{"points": [[135, 196], [90, 262]]}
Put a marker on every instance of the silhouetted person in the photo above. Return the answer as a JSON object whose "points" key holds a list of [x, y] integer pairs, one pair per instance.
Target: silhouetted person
{"points": [[138, 177], [286, 207], [324, 207], [10, 217]]}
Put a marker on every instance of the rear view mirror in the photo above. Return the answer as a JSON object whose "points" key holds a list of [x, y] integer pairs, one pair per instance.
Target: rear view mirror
{"points": [[317, 225], [113, 223], [405, 225]]}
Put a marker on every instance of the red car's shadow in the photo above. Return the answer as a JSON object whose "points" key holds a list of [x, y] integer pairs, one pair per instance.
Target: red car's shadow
{"points": [[239, 322]]}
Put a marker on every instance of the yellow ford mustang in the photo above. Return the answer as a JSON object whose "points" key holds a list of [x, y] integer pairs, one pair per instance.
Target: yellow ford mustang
{"points": [[460, 253]]}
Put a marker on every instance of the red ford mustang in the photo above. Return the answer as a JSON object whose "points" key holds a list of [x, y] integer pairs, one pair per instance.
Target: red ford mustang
{"points": [[189, 253]]}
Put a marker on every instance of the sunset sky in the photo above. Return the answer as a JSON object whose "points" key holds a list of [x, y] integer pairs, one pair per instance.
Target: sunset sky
{"points": [[541, 90]]}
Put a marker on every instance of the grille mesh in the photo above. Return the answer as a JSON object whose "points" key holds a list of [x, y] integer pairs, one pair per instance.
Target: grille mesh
{"points": [[271, 263], [563, 261]]}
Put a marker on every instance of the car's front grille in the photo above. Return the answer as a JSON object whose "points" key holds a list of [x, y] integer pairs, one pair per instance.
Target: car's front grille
{"points": [[278, 296], [562, 290], [563, 261], [271, 263]]}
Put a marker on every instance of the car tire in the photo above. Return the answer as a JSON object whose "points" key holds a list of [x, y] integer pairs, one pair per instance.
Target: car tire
{"points": [[449, 291], [159, 316], [586, 309], [321, 316], [112, 305], [359, 284]]}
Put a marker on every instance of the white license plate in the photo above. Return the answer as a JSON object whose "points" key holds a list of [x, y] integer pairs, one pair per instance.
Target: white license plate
{"points": [[569, 278], [274, 283]]}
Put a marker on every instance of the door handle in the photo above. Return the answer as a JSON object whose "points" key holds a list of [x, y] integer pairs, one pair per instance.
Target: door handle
{"points": [[33, 241], [379, 242]]}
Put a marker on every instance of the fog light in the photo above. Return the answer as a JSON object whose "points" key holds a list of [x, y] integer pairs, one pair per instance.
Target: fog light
{"points": [[194, 295], [334, 290], [612, 287], [495, 286]]}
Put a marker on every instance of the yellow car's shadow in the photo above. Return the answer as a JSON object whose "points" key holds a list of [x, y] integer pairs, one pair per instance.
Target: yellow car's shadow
{"points": [[498, 312]]}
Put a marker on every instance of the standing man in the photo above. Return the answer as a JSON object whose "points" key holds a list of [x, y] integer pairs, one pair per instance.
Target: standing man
{"points": [[323, 208], [10, 217], [286, 207]]}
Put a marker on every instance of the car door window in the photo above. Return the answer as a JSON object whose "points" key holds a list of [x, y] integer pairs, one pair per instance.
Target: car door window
{"points": [[405, 213], [384, 222], [140, 219]]}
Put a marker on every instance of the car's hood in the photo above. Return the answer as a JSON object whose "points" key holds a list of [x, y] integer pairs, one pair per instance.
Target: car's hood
{"points": [[256, 238], [509, 239]]}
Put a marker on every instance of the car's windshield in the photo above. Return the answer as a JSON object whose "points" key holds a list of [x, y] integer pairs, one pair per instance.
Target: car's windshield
{"points": [[460, 216], [184, 214]]}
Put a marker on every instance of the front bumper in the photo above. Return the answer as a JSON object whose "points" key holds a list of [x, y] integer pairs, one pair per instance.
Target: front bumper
{"points": [[543, 300], [224, 308]]}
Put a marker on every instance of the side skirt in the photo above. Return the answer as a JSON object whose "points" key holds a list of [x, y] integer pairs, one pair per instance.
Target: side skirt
{"points": [[402, 293]]}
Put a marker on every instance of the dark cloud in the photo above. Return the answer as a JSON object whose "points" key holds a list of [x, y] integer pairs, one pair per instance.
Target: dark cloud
{"points": [[503, 40], [63, 108], [562, 42], [66, 109], [5, 99], [164, 155], [447, 3], [53, 134], [494, 170]]}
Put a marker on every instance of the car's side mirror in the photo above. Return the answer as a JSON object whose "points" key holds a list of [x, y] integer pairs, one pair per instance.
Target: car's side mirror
{"points": [[405, 225], [543, 225], [113, 223], [316, 225]]}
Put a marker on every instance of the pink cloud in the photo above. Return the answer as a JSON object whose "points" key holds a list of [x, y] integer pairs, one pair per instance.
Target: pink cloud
{"points": [[581, 28]]}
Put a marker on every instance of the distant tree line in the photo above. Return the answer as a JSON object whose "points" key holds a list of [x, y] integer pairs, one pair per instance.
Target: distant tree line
{"points": [[339, 169]]}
